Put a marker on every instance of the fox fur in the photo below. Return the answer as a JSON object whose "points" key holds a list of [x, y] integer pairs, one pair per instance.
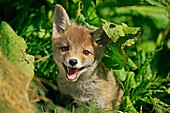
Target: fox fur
{"points": [[78, 52]]}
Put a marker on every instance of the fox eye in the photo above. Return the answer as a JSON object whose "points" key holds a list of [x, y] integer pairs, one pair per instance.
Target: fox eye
{"points": [[86, 52], [65, 48]]}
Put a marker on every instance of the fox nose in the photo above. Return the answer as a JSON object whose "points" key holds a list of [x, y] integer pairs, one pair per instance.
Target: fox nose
{"points": [[73, 62]]}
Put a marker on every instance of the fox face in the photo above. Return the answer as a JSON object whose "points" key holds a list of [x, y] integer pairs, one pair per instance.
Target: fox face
{"points": [[76, 49]]}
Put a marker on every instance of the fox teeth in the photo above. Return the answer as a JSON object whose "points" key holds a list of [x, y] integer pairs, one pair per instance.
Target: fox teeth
{"points": [[72, 73]]}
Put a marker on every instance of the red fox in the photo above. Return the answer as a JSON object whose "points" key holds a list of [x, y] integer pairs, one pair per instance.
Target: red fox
{"points": [[78, 52]]}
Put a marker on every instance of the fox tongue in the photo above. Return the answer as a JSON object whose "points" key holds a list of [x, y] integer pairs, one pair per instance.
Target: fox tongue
{"points": [[72, 73]]}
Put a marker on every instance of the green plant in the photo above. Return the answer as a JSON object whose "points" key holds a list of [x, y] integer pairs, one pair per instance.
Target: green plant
{"points": [[143, 67]]}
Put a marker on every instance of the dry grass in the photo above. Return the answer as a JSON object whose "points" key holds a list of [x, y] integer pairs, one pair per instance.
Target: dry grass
{"points": [[13, 89]]}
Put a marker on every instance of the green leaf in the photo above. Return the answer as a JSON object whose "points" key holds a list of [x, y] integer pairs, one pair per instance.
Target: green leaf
{"points": [[75, 1], [121, 74], [129, 105], [147, 46], [131, 64], [155, 3], [51, 1], [129, 82], [112, 30], [13, 48], [158, 15], [122, 36], [82, 19], [168, 44], [98, 2], [114, 58]]}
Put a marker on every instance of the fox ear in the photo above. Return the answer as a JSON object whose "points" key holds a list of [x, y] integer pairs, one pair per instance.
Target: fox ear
{"points": [[61, 20], [100, 37]]}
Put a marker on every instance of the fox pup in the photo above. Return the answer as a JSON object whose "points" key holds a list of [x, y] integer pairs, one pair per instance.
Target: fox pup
{"points": [[78, 52]]}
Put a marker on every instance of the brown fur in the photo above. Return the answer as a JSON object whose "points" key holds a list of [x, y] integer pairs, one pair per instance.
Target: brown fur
{"points": [[94, 82]]}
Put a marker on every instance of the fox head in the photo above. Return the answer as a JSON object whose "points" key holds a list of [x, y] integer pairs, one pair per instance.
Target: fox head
{"points": [[76, 49]]}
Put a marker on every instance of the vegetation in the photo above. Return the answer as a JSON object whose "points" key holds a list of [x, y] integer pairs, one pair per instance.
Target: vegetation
{"points": [[139, 54]]}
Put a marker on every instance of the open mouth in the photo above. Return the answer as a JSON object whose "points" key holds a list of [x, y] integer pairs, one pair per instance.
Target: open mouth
{"points": [[72, 73]]}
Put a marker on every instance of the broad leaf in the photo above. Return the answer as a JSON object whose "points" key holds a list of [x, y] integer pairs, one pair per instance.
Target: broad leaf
{"points": [[121, 74], [129, 82], [122, 36]]}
